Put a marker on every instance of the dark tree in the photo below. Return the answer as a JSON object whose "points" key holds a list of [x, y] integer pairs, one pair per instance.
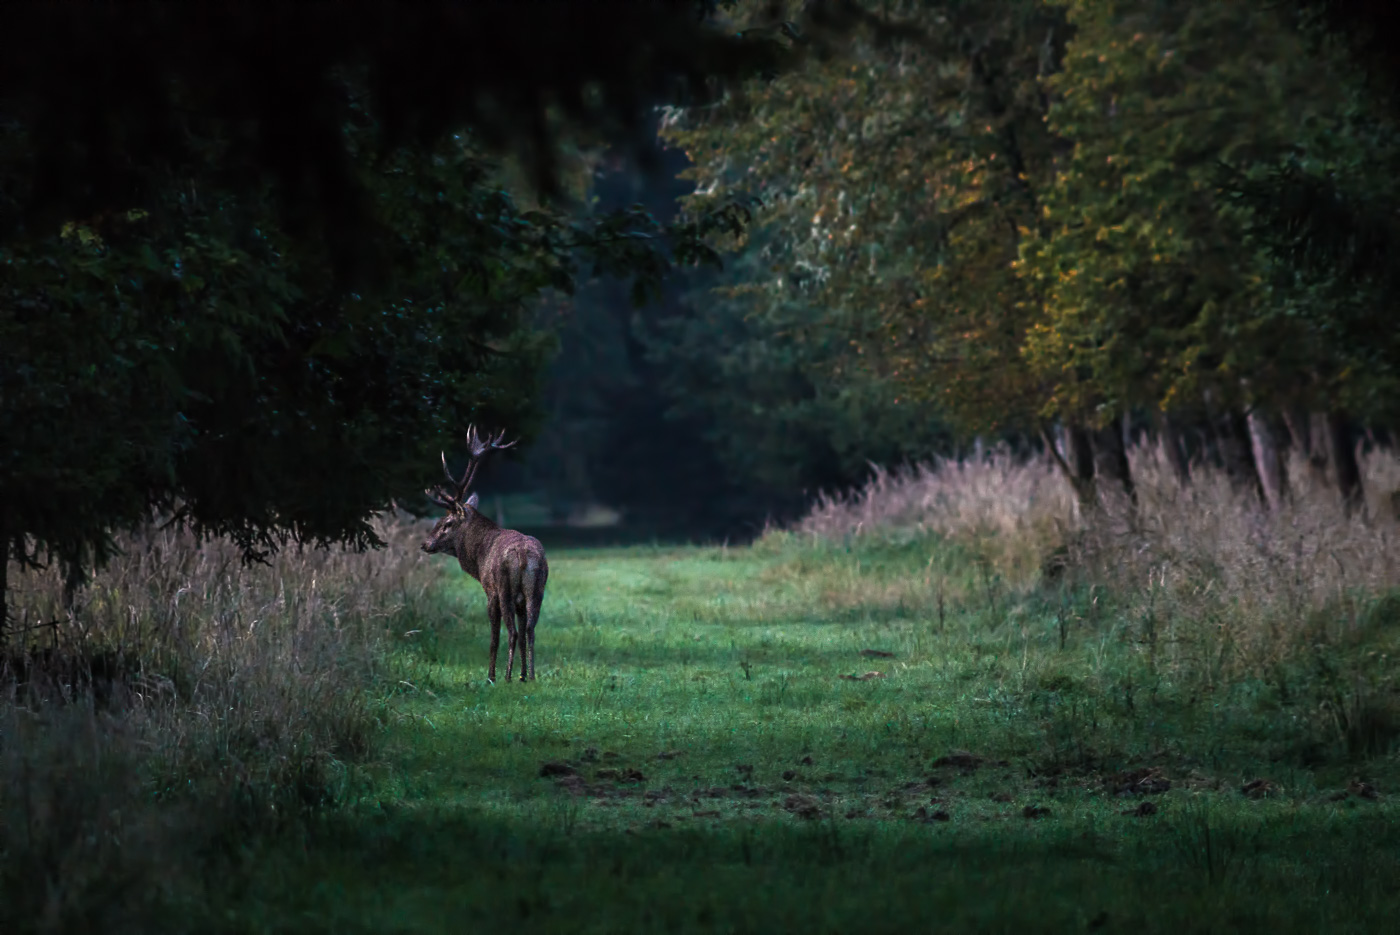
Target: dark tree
{"points": [[103, 93], [256, 264]]}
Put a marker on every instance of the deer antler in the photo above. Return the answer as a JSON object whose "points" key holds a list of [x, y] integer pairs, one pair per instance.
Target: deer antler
{"points": [[450, 479], [452, 496], [478, 449], [443, 498]]}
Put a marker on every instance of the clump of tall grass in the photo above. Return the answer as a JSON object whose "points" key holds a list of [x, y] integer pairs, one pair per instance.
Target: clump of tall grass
{"points": [[1208, 582], [1220, 585], [177, 702], [1009, 510]]}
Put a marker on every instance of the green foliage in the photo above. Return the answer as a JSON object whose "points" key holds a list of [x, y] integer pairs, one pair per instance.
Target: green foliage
{"points": [[1323, 215], [1028, 210], [898, 181], [262, 291], [609, 432], [787, 408], [1153, 294], [191, 357]]}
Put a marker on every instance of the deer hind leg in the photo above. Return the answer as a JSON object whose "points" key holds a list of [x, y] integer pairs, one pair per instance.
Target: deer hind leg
{"points": [[493, 610], [532, 616], [523, 636], [512, 638], [531, 637]]}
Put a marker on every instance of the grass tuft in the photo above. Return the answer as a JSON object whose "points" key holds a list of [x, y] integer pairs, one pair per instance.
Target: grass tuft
{"points": [[179, 705], [1212, 586]]}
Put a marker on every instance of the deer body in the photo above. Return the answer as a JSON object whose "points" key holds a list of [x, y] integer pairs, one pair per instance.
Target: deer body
{"points": [[510, 565]]}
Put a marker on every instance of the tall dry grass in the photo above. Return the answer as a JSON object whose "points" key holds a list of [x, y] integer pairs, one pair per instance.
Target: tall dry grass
{"points": [[181, 702], [1008, 509], [1210, 584]]}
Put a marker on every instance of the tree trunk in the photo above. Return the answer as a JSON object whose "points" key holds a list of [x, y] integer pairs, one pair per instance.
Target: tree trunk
{"points": [[1268, 458], [1295, 418], [1076, 462], [1081, 459], [1319, 446], [4, 573], [1174, 447], [1346, 470], [74, 577], [1081, 453], [1232, 437], [1111, 457]]}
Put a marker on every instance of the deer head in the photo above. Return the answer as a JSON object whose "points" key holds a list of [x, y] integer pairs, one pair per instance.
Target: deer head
{"points": [[460, 511]]}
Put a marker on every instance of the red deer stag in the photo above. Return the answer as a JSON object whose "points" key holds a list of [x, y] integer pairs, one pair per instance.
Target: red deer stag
{"points": [[510, 565]]}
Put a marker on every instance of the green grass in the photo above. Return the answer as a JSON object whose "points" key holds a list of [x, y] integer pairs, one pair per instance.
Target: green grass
{"points": [[715, 772]]}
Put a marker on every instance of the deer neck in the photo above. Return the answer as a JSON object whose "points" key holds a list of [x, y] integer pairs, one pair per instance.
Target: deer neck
{"points": [[474, 541]]}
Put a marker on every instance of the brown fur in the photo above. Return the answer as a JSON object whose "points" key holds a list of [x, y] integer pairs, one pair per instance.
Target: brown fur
{"points": [[512, 570]]}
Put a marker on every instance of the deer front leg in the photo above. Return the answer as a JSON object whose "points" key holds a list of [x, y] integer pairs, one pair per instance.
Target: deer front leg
{"points": [[493, 610]]}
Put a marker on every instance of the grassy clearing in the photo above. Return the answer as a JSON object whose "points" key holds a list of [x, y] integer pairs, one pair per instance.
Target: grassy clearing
{"points": [[695, 757], [946, 701]]}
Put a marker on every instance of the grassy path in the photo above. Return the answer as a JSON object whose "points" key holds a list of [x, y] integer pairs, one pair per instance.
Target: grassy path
{"points": [[695, 757]]}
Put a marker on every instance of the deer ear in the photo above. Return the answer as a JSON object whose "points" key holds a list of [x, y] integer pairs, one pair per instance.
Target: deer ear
{"points": [[472, 501]]}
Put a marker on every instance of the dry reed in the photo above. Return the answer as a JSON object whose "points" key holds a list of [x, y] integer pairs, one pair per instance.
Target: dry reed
{"points": [[183, 696], [1008, 509], [1210, 584]]}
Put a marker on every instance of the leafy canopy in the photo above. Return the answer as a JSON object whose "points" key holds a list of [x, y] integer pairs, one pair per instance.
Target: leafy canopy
{"points": [[258, 267]]}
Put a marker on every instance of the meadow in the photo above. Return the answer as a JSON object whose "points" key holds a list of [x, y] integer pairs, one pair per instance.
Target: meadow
{"points": [[946, 702]]}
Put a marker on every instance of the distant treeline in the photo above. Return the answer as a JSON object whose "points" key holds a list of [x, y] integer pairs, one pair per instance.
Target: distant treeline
{"points": [[1055, 224]]}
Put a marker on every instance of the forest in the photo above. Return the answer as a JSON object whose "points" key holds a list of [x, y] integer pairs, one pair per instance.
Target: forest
{"points": [[961, 435], [1146, 231]]}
